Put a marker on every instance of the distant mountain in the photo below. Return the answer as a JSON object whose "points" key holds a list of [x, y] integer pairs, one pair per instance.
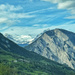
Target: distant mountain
{"points": [[57, 45], [19, 61], [21, 40]]}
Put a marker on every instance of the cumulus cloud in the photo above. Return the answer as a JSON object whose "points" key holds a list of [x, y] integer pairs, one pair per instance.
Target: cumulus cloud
{"points": [[65, 4]]}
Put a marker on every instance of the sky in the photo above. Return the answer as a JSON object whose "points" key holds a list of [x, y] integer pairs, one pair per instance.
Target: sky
{"points": [[31, 17]]}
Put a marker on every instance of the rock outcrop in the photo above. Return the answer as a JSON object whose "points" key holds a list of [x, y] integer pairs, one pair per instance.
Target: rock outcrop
{"points": [[57, 45]]}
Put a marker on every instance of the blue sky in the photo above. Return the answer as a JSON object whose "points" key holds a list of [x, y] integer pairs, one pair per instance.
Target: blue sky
{"points": [[34, 16]]}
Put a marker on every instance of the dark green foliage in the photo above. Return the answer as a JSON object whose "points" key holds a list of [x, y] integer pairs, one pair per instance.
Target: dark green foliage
{"points": [[6, 70], [13, 64]]}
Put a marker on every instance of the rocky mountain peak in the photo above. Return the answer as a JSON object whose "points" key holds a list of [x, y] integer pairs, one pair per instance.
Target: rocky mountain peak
{"points": [[57, 45]]}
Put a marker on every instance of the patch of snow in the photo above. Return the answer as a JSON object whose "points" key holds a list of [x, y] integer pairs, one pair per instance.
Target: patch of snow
{"points": [[19, 39]]}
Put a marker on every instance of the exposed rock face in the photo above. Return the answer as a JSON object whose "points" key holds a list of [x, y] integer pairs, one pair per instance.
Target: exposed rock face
{"points": [[57, 45]]}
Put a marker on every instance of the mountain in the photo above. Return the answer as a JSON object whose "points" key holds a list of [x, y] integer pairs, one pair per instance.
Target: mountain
{"points": [[57, 45], [15, 60], [21, 40], [10, 46]]}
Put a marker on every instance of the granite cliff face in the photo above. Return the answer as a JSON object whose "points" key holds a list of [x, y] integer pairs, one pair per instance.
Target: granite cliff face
{"points": [[57, 45]]}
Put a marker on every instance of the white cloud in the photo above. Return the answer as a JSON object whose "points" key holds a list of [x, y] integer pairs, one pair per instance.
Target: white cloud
{"points": [[36, 25], [10, 16], [33, 31], [51, 8], [70, 17], [36, 30], [20, 15], [64, 4], [72, 10], [3, 20], [53, 1], [40, 25], [70, 26], [8, 7], [1, 28], [47, 18]]}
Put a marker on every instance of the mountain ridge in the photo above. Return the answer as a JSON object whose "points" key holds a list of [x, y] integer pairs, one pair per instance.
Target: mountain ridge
{"points": [[57, 45]]}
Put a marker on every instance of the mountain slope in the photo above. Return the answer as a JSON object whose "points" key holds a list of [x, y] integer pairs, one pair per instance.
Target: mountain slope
{"points": [[10, 46], [25, 62], [57, 45], [18, 65]]}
